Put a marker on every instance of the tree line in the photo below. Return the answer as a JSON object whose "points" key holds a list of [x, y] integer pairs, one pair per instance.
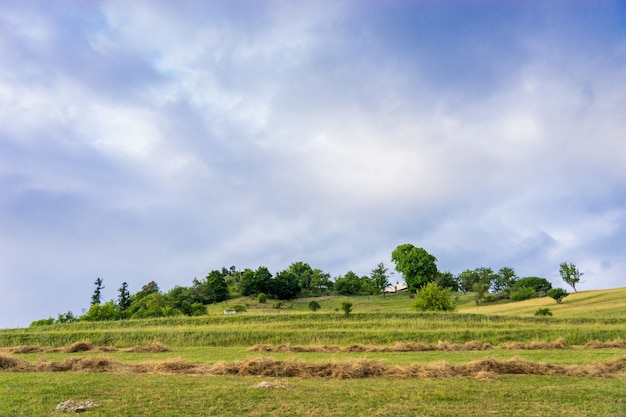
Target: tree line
{"points": [[417, 266]]}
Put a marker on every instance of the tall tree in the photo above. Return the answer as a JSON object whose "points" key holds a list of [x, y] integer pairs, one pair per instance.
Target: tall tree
{"points": [[379, 278], [504, 279], [416, 265], [95, 298], [216, 287], [123, 299], [303, 273], [570, 274]]}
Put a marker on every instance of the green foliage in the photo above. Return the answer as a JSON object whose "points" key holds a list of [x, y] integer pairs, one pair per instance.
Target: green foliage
{"points": [[100, 312], [285, 286], [215, 288], [416, 265], [522, 293], [543, 312], [379, 278], [239, 308], [277, 306], [570, 274], [539, 285], [432, 297], [95, 298], [42, 322], [262, 298], [123, 299], [349, 284], [150, 288], [557, 294], [66, 317], [303, 274], [447, 280], [504, 280], [314, 305], [346, 307]]}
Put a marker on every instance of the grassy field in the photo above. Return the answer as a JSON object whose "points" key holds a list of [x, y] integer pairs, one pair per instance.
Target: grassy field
{"points": [[385, 359]]}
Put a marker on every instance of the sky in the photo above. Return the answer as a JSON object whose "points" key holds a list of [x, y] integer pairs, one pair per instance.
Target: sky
{"points": [[156, 140]]}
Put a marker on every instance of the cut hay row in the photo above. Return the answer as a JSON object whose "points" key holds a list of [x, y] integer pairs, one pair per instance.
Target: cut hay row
{"points": [[398, 347], [486, 368], [560, 343], [87, 347]]}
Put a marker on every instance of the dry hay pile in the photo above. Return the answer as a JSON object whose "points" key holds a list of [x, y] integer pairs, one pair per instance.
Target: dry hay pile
{"points": [[154, 347], [606, 345], [268, 385], [486, 368], [559, 343], [398, 347]]}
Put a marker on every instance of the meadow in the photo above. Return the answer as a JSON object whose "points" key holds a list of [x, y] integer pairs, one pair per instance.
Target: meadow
{"points": [[384, 359]]}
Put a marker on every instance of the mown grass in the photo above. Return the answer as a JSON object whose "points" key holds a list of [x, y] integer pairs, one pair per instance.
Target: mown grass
{"points": [[182, 395], [582, 318]]}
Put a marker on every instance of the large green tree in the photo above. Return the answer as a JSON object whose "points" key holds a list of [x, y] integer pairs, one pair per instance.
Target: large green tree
{"points": [[416, 265]]}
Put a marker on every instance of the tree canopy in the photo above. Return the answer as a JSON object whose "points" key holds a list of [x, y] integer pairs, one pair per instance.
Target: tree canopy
{"points": [[416, 265]]}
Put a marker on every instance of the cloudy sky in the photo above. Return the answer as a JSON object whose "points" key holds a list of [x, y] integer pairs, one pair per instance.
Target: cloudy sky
{"points": [[158, 140]]}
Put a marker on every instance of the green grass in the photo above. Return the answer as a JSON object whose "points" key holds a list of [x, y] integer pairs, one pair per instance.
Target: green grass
{"points": [[165, 395], [583, 317]]}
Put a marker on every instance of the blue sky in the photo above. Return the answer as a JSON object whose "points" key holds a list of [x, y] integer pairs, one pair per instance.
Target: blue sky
{"points": [[157, 140]]}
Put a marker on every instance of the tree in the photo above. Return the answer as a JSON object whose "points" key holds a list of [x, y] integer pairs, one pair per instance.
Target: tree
{"points": [[416, 265], [379, 278], [570, 274], [504, 279], [285, 285], [447, 280], [148, 289], [540, 285], [303, 274], [349, 284], [215, 287], [320, 281], [432, 297], [95, 298], [557, 294], [123, 300]]}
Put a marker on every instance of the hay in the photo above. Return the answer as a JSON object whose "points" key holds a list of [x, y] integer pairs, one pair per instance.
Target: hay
{"points": [[27, 349], [398, 347], [483, 369], [596, 344], [79, 347], [155, 347], [559, 343], [268, 385]]}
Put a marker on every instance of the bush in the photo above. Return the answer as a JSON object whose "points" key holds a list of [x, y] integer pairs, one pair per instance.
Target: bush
{"points": [[239, 308], [42, 322], [434, 298], [558, 294], [539, 285], [262, 298], [314, 305], [543, 312], [522, 293], [346, 307]]}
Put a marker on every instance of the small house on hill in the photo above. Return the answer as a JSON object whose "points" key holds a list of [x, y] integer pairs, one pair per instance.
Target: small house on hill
{"points": [[398, 286]]}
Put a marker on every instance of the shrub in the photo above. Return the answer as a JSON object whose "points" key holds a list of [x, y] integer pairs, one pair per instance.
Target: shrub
{"points": [[277, 305], [540, 285], [543, 312], [314, 305], [239, 308], [42, 322], [558, 294], [522, 293], [262, 298], [346, 307], [434, 298]]}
